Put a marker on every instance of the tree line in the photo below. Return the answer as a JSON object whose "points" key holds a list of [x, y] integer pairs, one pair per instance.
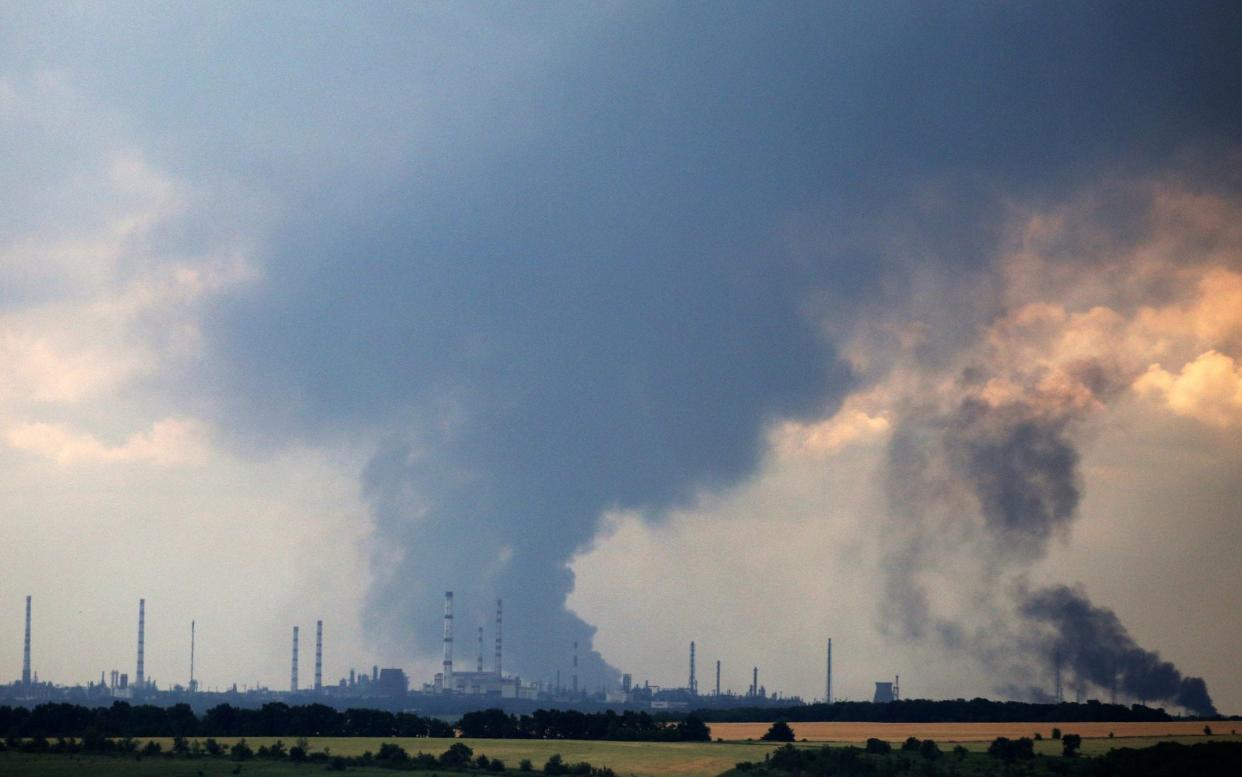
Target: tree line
{"points": [[572, 724], [277, 719], [941, 711]]}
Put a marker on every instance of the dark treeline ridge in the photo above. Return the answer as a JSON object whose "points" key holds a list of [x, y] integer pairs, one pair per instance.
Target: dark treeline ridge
{"points": [[943, 711], [316, 720], [571, 724], [271, 720]]}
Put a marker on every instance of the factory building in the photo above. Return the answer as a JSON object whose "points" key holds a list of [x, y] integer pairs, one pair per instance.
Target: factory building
{"points": [[479, 682]]}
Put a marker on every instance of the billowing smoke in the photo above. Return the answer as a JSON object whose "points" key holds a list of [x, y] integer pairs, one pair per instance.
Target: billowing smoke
{"points": [[1092, 643], [994, 470]]}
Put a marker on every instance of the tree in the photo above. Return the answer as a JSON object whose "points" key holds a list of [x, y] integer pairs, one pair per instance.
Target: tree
{"points": [[1070, 744], [878, 746], [911, 745], [930, 750], [779, 732], [555, 765], [458, 754], [240, 751]]}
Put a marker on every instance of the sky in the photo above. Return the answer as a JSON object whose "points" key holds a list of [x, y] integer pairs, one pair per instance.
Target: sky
{"points": [[913, 326]]}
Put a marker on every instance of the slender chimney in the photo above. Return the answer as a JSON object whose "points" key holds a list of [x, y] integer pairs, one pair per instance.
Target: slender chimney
{"points": [[142, 630], [897, 688], [479, 669], [499, 612], [26, 649], [717, 676], [575, 667], [828, 682], [293, 674], [191, 656], [448, 641], [754, 683], [694, 684], [318, 655], [1056, 671]]}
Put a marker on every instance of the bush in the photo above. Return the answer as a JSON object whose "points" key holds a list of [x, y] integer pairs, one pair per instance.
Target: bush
{"points": [[555, 765], [1070, 744], [240, 751], [1010, 750], [482, 761], [151, 748], [525, 765], [1056, 733], [213, 747], [960, 752], [930, 750], [391, 751], [912, 744], [1207, 731], [878, 746], [496, 765], [779, 732], [458, 754]]}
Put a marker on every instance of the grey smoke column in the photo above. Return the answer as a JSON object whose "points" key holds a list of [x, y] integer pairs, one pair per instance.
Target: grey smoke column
{"points": [[448, 641], [142, 630], [26, 649], [318, 655], [293, 672]]}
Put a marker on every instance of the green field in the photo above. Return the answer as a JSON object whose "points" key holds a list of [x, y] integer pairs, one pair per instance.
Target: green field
{"points": [[642, 759], [687, 759]]}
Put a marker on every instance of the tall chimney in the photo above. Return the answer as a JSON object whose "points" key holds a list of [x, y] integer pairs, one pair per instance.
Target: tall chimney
{"points": [[717, 676], [754, 683], [575, 667], [499, 612], [191, 656], [26, 649], [318, 655], [694, 684], [479, 669], [828, 683], [142, 630], [448, 641], [293, 674], [1056, 671]]}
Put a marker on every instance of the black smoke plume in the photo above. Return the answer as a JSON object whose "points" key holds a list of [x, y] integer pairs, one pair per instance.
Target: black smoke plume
{"points": [[1005, 478]]}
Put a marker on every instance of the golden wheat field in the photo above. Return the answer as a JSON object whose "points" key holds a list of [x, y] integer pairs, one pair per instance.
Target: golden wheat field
{"points": [[966, 732]]}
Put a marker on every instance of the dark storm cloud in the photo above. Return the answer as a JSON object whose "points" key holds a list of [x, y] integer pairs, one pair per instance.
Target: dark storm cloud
{"points": [[539, 256]]}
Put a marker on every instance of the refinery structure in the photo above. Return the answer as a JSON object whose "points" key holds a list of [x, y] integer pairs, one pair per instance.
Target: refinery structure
{"points": [[458, 687]]}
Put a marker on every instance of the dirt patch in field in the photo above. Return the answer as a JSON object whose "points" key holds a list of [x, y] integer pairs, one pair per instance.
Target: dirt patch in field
{"points": [[958, 732]]}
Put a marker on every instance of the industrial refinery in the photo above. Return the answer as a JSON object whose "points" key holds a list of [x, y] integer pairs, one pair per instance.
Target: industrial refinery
{"points": [[454, 689]]}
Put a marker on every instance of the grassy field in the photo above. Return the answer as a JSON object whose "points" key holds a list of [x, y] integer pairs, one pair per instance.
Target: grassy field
{"points": [[682, 759], [642, 759]]}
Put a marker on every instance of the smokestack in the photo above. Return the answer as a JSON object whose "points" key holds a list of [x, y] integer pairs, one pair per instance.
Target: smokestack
{"points": [[448, 641], [142, 631], [897, 688], [480, 666], [717, 676], [318, 655], [754, 682], [293, 674], [575, 667], [694, 684], [1056, 671], [191, 656], [828, 681], [499, 612], [26, 649]]}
